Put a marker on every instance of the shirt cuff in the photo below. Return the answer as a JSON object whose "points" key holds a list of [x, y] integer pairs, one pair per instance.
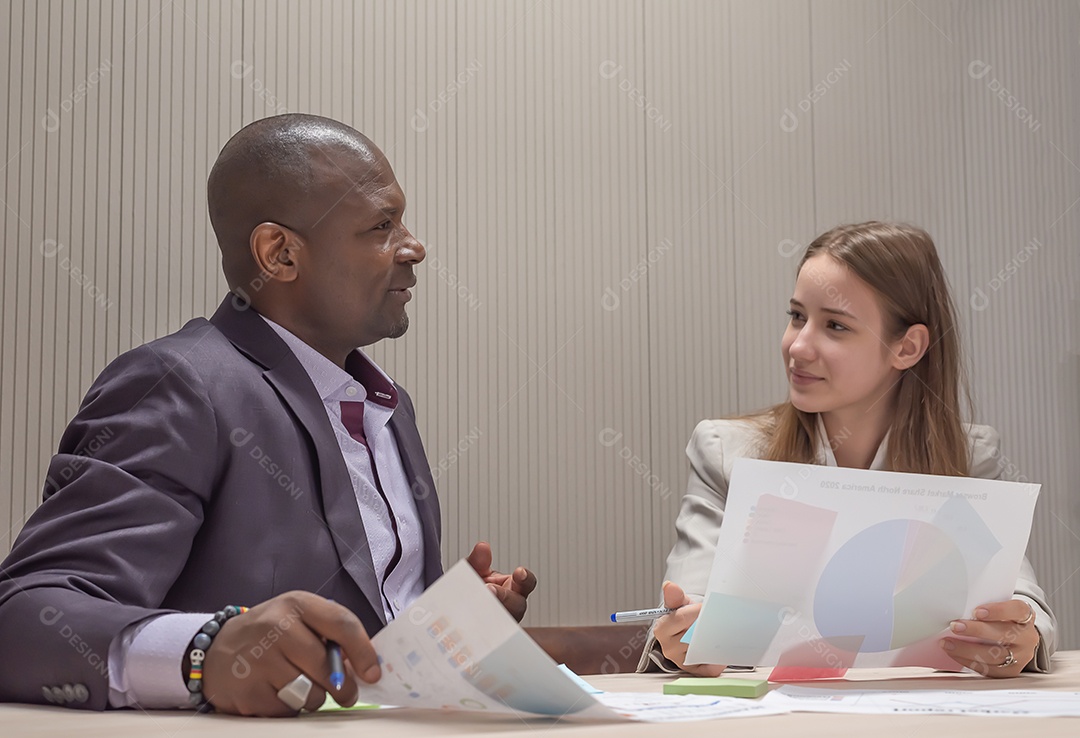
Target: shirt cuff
{"points": [[145, 661], [1040, 663]]}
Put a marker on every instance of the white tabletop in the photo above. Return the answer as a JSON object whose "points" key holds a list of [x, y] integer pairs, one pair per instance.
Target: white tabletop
{"points": [[20, 720]]}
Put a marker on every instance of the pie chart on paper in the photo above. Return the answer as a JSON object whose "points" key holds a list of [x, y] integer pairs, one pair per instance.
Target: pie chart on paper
{"points": [[893, 584]]}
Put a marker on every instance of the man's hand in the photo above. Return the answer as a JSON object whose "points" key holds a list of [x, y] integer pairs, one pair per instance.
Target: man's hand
{"points": [[257, 653], [511, 589], [670, 629]]}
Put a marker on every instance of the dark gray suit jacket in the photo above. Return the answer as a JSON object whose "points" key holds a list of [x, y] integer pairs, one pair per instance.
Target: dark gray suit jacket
{"points": [[200, 471]]}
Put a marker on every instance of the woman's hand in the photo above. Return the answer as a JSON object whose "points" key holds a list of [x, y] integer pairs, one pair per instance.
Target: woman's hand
{"points": [[1011, 639], [670, 629]]}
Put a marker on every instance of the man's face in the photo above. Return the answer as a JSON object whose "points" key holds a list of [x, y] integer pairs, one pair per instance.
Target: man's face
{"points": [[356, 265]]}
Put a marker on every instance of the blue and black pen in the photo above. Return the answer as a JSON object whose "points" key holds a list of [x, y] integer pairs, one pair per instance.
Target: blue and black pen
{"points": [[337, 666], [633, 616]]}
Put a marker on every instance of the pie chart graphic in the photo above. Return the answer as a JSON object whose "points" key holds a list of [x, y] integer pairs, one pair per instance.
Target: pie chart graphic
{"points": [[893, 584]]}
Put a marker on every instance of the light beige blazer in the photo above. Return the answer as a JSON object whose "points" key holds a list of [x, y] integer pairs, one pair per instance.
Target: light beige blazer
{"points": [[713, 449]]}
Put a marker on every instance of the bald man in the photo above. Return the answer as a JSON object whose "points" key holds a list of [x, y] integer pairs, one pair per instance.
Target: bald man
{"points": [[258, 458]]}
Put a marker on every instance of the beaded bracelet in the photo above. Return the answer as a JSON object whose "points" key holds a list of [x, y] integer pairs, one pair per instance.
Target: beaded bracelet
{"points": [[197, 653]]}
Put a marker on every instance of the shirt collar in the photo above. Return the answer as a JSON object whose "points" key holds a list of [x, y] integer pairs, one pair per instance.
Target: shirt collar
{"points": [[380, 388], [330, 380]]}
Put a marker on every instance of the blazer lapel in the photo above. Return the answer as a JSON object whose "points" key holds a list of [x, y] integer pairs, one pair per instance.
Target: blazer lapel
{"points": [[250, 333], [414, 460]]}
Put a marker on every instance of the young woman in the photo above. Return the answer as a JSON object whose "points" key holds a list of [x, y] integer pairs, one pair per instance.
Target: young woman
{"points": [[873, 365]]}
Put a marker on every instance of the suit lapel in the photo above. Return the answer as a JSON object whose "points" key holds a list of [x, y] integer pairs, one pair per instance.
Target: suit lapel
{"points": [[414, 460], [250, 333]]}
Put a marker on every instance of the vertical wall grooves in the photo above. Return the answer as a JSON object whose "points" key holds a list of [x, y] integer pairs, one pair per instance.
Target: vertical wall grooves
{"points": [[559, 157]]}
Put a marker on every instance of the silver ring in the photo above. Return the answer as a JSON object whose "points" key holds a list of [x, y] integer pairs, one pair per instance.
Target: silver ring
{"points": [[295, 693], [1030, 617], [1009, 660]]}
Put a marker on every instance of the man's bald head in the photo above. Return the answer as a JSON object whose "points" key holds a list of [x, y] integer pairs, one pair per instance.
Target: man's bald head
{"points": [[281, 169]]}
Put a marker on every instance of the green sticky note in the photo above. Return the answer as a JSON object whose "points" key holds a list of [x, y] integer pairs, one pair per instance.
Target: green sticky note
{"points": [[719, 687], [331, 705]]}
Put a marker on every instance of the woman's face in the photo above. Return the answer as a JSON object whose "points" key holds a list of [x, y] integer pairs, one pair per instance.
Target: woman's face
{"points": [[837, 357]]}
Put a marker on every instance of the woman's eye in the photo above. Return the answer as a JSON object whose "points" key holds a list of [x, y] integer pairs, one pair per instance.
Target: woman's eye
{"points": [[795, 315], [833, 325], [385, 225]]}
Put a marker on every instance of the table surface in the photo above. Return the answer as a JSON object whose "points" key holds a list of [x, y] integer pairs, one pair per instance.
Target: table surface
{"points": [[33, 720]]}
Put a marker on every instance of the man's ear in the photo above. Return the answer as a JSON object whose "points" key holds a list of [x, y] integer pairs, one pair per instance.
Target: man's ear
{"points": [[911, 347], [274, 249]]}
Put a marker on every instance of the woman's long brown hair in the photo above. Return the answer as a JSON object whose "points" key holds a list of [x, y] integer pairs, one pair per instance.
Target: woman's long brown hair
{"points": [[901, 265]]}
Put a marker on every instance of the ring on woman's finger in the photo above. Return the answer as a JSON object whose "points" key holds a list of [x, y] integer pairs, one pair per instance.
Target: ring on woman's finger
{"points": [[295, 693], [1029, 618], [1009, 660]]}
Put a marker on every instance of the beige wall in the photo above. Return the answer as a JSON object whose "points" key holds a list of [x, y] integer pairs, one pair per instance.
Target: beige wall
{"points": [[610, 193]]}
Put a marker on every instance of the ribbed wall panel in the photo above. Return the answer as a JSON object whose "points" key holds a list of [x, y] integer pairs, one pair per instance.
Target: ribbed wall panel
{"points": [[850, 110], [775, 186], [612, 196], [926, 73], [692, 312], [1022, 182]]}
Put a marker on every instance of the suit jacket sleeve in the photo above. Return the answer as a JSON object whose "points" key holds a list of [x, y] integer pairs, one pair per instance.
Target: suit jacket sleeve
{"points": [[987, 463], [122, 505], [698, 524]]}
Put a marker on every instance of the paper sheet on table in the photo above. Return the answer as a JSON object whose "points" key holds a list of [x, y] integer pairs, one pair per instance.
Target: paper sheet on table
{"points": [[664, 708], [989, 702], [659, 707], [822, 567], [456, 648], [585, 686]]}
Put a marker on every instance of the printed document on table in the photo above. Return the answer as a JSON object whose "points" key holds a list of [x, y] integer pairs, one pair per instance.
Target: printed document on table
{"points": [[989, 702], [456, 648], [827, 568]]}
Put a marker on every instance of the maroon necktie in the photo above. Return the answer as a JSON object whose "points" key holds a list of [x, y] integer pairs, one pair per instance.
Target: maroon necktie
{"points": [[352, 415]]}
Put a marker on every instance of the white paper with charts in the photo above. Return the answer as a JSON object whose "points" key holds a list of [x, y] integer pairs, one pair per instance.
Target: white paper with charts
{"points": [[456, 648], [822, 567], [985, 702]]}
